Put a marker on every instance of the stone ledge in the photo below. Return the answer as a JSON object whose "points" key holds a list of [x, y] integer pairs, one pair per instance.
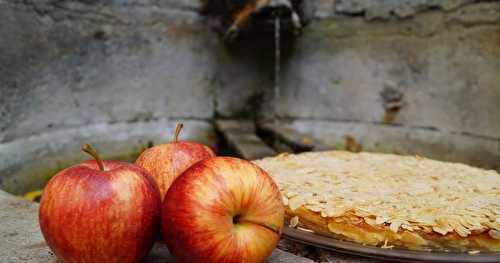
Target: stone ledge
{"points": [[27, 163], [240, 136], [440, 145]]}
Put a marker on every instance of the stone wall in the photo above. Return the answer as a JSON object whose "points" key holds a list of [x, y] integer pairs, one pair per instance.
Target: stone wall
{"points": [[413, 77], [435, 69], [74, 63], [422, 65]]}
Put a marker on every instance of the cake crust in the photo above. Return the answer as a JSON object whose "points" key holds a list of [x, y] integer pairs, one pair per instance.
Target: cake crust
{"points": [[390, 200]]}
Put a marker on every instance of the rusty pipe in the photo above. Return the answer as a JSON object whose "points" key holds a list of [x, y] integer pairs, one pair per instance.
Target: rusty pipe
{"points": [[264, 10]]}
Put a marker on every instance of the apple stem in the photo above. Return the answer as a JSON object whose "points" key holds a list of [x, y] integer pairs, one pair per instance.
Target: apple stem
{"points": [[271, 227], [178, 131], [88, 149]]}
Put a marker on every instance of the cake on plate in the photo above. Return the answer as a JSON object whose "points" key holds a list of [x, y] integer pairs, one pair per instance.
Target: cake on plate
{"points": [[390, 200]]}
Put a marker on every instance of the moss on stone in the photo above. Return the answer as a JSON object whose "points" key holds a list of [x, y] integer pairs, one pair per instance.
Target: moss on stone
{"points": [[34, 176]]}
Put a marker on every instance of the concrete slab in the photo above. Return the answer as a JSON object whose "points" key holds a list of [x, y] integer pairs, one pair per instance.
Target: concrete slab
{"points": [[240, 137]]}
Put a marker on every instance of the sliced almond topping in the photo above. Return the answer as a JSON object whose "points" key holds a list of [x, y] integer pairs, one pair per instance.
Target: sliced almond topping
{"points": [[294, 221], [305, 229], [285, 200], [386, 246], [408, 192], [370, 221], [440, 230], [494, 234], [295, 202], [394, 227], [381, 219]]}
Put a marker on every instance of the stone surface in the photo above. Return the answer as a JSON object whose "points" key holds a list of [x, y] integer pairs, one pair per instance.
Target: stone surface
{"points": [[328, 257], [321, 255], [440, 68], [236, 126], [380, 10], [244, 78], [26, 164], [248, 146], [280, 256], [76, 63], [281, 135], [328, 135], [400, 8], [22, 240], [241, 138]]}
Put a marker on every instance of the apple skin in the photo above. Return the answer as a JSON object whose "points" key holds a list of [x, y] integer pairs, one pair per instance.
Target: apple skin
{"points": [[89, 215], [166, 162], [222, 209]]}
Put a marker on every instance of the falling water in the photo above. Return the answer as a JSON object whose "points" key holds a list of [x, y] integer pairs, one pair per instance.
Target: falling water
{"points": [[277, 56]]}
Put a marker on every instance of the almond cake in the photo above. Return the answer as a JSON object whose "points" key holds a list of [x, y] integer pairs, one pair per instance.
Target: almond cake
{"points": [[389, 200]]}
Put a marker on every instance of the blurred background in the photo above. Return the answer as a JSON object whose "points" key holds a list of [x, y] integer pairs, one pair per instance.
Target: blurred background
{"points": [[408, 77]]}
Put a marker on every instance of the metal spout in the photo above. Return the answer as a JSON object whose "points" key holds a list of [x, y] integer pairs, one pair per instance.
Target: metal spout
{"points": [[263, 14], [275, 7]]}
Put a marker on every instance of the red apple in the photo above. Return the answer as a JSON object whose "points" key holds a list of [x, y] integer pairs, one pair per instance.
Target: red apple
{"points": [[100, 211], [166, 162], [222, 209]]}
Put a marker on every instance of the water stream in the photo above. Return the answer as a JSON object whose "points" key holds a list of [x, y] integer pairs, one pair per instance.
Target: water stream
{"points": [[277, 61]]}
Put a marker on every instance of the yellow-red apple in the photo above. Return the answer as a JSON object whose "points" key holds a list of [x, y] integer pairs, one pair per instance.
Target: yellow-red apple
{"points": [[222, 209], [100, 211], [166, 162]]}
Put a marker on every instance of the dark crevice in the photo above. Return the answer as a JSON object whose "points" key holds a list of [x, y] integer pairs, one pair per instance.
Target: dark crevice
{"points": [[280, 143], [222, 147]]}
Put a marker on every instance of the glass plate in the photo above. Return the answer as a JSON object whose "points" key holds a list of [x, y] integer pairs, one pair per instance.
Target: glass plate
{"points": [[401, 255]]}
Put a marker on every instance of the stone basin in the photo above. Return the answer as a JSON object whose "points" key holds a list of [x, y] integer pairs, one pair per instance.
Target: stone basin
{"points": [[27, 164]]}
